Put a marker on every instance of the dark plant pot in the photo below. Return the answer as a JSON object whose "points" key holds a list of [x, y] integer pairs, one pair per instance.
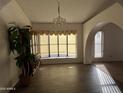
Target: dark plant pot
{"points": [[25, 80]]}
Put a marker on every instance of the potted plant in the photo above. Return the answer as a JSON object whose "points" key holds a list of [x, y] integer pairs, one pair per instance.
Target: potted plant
{"points": [[19, 40]]}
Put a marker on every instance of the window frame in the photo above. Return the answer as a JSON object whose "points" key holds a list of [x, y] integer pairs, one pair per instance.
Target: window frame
{"points": [[58, 47]]}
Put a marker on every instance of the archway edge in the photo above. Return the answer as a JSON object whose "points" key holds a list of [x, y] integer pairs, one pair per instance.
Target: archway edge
{"points": [[98, 27]]}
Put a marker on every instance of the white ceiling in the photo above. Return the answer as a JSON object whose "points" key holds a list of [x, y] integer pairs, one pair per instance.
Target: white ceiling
{"points": [[75, 11]]}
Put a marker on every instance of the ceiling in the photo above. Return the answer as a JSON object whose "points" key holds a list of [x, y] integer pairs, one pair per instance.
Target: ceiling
{"points": [[75, 11]]}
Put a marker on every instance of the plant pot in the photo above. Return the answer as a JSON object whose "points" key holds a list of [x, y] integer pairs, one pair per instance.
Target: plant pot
{"points": [[25, 80]]}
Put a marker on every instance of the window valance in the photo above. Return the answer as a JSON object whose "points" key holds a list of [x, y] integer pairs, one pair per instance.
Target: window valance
{"points": [[65, 32]]}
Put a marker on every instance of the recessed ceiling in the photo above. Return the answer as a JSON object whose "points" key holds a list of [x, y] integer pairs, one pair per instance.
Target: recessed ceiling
{"points": [[75, 11]]}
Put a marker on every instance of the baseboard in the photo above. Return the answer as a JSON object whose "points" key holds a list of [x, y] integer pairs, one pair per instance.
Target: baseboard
{"points": [[107, 61], [14, 85]]}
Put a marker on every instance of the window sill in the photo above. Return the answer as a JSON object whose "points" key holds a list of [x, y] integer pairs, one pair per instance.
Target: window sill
{"points": [[59, 58]]}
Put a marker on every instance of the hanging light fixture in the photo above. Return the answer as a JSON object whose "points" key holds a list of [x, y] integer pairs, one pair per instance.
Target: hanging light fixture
{"points": [[59, 20]]}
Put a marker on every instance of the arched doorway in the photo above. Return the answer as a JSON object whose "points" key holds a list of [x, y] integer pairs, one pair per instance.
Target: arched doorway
{"points": [[113, 43]]}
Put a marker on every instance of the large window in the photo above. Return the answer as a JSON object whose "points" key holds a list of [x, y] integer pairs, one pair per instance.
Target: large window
{"points": [[54, 45], [99, 44]]}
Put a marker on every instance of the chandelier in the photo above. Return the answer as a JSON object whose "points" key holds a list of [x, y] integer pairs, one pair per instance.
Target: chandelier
{"points": [[59, 20]]}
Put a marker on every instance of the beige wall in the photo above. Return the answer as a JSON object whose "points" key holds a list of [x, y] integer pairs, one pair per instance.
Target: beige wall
{"points": [[113, 43], [78, 27], [4, 58], [113, 14], [8, 74], [12, 12], [3, 3]]}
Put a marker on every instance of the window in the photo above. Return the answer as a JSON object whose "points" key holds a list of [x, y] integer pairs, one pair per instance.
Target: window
{"points": [[55, 45], [44, 45], [99, 42], [71, 45], [62, 45], [34, 44]]}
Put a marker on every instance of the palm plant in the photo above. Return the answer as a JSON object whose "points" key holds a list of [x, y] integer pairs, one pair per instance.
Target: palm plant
{"points": [[19, 40]]}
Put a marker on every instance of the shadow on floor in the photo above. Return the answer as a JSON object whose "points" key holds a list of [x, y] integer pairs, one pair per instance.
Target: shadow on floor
{"points": [[115, 69]]}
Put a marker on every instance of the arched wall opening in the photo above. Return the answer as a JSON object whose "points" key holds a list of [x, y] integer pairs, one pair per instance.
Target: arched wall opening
{"points": [[113, 43]]}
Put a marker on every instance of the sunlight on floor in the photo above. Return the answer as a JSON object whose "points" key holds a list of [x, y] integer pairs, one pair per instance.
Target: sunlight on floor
{"points": [[107, 83], [70, 67]]}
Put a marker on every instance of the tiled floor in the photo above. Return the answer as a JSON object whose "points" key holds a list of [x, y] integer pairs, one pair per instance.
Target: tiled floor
{"points": [[70, 78]]}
